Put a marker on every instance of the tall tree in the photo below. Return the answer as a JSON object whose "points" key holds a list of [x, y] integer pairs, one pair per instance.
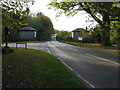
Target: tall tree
{"points": [[13, 15], [109, 12], [14, 12], [63, 35], [43, 25]]}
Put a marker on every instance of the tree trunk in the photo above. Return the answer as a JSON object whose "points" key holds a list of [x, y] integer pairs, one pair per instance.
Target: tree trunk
{"points": [[106, 30], [106, 36]]}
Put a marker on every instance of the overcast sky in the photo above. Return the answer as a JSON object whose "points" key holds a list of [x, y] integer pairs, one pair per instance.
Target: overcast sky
{"points": [[62, 22]]}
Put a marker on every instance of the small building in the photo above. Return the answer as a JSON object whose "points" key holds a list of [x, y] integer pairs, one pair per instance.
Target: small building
{"points": [[53, 38], [77, 34], [27, 32]]}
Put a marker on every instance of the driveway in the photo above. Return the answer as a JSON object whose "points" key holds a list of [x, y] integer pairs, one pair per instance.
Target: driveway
{"points": [[96, 69]]}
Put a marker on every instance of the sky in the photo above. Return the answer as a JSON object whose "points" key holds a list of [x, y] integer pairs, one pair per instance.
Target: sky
{"points": [[62, 22]]}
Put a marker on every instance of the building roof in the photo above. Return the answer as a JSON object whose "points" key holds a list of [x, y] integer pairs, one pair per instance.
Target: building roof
{"points": [[26, 28], [78, 29]]}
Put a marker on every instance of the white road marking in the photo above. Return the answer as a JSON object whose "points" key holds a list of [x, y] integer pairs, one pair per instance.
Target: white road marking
{"points": [[92, 86], [65, 64], [48, 49], [103, 59], [85, 80]]}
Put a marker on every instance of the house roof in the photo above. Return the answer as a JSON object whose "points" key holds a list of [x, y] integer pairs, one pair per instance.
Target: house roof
{"points": [[78, 29], [26, 28]]}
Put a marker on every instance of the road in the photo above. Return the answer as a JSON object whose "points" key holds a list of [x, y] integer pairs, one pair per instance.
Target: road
{"points": [[96, 69]]}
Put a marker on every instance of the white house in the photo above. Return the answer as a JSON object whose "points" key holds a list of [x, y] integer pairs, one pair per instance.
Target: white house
{"points": [[77, 34], [27, 32]]}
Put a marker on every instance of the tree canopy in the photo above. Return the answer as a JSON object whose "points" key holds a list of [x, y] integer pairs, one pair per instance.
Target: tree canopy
{"points": [[43, 25], [63, 35], [14, 12], [108, 10], [13, 15]]}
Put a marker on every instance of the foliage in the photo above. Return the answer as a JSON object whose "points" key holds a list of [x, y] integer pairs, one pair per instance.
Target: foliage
{"points": [[42, 24], [109, 12], [115, 32], [86, 38], [13, 15], [95, 34], [13, 36], [63, 35]]}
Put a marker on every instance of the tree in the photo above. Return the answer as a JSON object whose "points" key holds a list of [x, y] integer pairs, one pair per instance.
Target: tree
{"points": [[14, 12], [95, 34], [115, 32], [109, 12], [43, 25], [63, 35], [86, 37], [13, 15]]}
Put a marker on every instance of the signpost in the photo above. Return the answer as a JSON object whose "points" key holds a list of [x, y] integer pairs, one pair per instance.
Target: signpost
{"points": [[6, 32], [6, 49]]}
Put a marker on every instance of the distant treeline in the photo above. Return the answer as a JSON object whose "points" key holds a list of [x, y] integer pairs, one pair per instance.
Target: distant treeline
{"points": [[90, 36]]}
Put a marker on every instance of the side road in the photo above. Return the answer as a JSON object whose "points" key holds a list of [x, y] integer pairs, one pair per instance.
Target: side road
{"points": [[39, 46]]}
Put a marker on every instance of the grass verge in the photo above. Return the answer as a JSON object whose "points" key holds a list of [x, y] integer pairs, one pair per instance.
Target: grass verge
{"points": [[112, 49], [35, 69]]}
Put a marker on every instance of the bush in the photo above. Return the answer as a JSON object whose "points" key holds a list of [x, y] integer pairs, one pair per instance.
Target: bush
{"points": [[115, 35], [87, 39], [13, 36]]}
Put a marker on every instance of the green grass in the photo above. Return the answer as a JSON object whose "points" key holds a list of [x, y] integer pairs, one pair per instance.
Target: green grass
{"points": [[35, 69], [112, 49]]}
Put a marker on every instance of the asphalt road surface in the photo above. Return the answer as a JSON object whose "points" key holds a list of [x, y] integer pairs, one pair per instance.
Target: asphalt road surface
{"points": [[96, 69]]}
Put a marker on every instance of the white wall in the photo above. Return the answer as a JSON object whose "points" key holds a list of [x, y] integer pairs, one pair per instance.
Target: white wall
{"points": [[72, 34], [34, 34], [77, 35]]}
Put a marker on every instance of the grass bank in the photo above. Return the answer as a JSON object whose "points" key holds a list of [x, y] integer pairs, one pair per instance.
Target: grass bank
{"points": [[35, 69], [112, 49]]}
